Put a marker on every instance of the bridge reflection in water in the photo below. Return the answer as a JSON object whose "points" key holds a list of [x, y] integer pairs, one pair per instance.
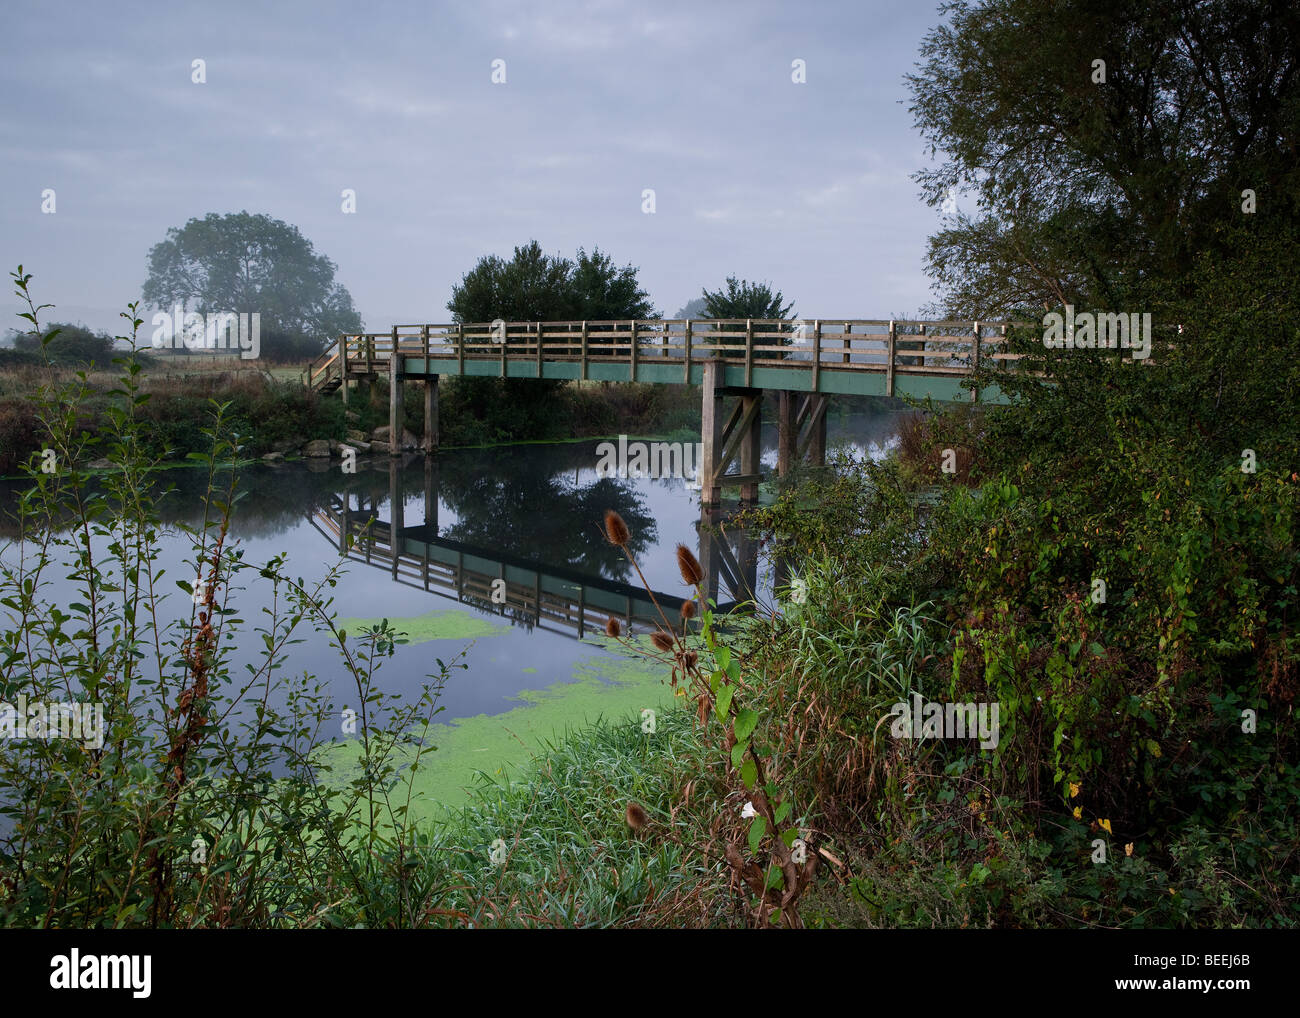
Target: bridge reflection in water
{"points": [[527, 592]]}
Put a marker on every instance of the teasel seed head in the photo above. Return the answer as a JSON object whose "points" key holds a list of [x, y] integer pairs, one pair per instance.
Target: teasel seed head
{"points": [[689, 565], [688, 611], [615, 529], [613, 628], [637, 817], [662, 640]]}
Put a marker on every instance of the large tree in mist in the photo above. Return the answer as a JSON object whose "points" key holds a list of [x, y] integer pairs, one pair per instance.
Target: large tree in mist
{"points": [[252, 263]]}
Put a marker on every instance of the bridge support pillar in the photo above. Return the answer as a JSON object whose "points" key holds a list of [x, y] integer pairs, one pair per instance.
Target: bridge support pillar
{"points": [[431, 415], [729, 558], [395, 416], [431, 496], [729, 438], [785, 432], [396, 512], [801, 433]]}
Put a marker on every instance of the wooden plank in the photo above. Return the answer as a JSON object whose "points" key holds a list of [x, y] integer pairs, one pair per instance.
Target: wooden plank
{"points": [[539, 349], [584, 351], [632, 362]]}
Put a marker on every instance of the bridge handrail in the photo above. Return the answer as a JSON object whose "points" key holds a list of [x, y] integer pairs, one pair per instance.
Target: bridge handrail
{"points": [[893, 346]]}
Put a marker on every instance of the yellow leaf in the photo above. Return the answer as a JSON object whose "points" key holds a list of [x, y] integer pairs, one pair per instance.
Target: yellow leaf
{"points": [[1105, 824], [1074, 789], [1078, 812], [1128, 849]]}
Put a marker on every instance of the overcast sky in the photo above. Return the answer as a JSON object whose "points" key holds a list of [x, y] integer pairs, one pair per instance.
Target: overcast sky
{"points": [[804, 185]]}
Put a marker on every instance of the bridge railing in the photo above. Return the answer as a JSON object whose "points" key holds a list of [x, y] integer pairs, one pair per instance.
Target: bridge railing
{"points": [[911, 347], [893, 347]]}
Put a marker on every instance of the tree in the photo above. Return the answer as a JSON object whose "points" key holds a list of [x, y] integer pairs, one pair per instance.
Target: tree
{"points": [[1116, 135], [1109, 172], [71, 345], [742, 299], [246, 263], [692, 309], [535, 287]]}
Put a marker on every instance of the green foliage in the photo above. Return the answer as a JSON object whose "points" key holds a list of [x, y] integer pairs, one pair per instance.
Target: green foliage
{"points": [[742, 299], [1087, 187], [199, 802], [246, 263], [66, 345], [533, 287]]}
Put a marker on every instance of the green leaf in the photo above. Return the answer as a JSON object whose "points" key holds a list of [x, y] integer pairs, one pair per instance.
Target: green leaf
{"points": [[756, 831], [749, 773], [738, 753], [746, 719], [782, 812], [723, 706]]}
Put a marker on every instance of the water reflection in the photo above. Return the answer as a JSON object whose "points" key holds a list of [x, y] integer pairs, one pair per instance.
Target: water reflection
{"points": [[563, 576]]}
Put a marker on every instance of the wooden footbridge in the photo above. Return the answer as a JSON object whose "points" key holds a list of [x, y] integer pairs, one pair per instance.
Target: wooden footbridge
{"points": [[802, 360]]}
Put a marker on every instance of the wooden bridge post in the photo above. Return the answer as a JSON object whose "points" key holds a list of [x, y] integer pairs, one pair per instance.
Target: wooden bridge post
{"points": [[785, 432], [396, 513], [710, 554], [430, 498], [345, 523], [710, 432], [751, 446], [343, 368], [975, 358], [817, 446], [891, 349], [431, 415], [395, 417], [686, 355]]}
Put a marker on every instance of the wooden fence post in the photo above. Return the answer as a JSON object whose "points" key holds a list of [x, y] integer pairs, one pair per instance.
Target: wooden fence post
{"points": [[889, 355]]}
